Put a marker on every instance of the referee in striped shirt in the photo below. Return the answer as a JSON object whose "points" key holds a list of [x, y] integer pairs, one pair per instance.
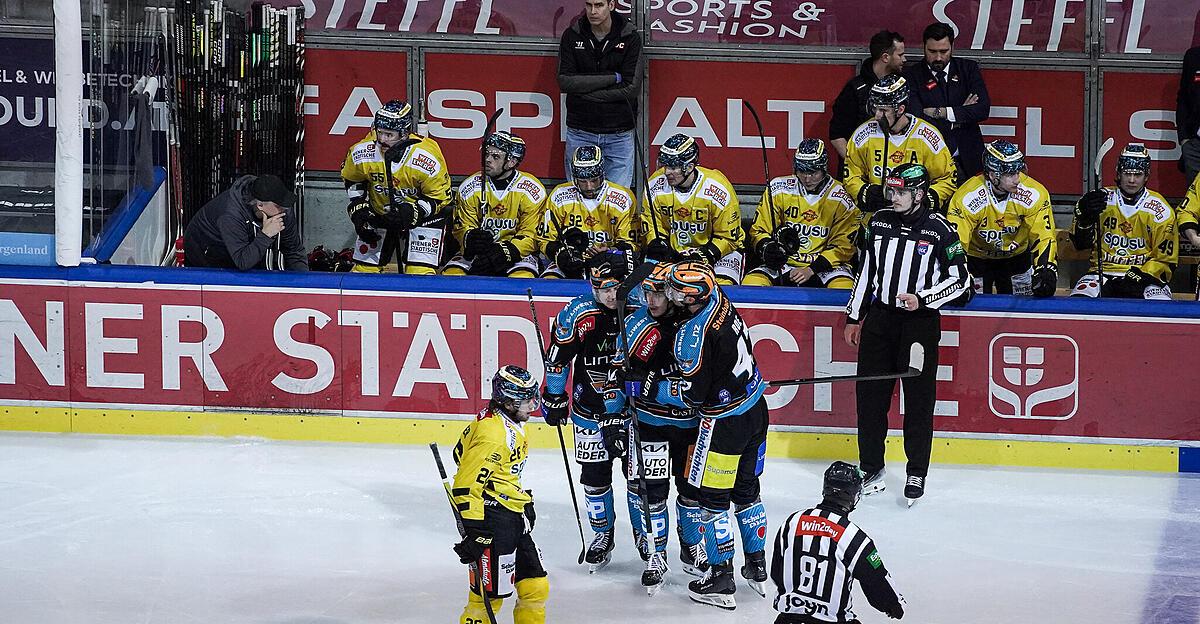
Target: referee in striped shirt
{"points": [[914, 264]]}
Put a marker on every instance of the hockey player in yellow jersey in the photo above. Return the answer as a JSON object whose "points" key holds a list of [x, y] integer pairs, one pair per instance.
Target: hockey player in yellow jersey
{"points": [[1136, 229], [419, 187], [908, 139], [1188, 214], [584, 212], [497, 514], [1005, 221], [809, 241], [693, 212], [505, 243]]}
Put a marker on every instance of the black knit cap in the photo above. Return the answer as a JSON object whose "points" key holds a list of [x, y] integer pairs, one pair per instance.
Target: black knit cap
{"points": [[269, 188]]}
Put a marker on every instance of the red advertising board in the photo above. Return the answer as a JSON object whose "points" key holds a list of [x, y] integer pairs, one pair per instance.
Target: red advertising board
{"points": [[1140, 107], [1144, 27], [343, 89], [428, 353], [462, 91], [509, 18]]}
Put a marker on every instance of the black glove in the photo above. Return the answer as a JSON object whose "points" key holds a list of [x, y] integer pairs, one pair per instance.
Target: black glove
{"points": [[396, 152], [475, 543], [361, 218], [475, 241], [788, 235], [1132, 284], [711, 253], [1045, 280], [556, 408], [614, 433], [1087, 211], [871, 199], [497, 259], [935, 202], [569, 261], [659, 250], [773, 254], [403, 217], [576, 239], [530, 513]]}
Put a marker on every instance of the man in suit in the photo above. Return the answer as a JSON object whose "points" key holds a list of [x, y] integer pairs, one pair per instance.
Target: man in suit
{"points": [[950, 93]]}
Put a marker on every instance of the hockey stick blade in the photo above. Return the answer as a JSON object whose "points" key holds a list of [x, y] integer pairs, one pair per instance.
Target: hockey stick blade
{"points": [[1105, 148], [916, 364]]}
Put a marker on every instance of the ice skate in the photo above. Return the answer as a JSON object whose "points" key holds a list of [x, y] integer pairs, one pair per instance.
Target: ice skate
{"points": [[914, 488], [755, 572], [599, 553], [873, 482], [655, 573], [716, 588]]}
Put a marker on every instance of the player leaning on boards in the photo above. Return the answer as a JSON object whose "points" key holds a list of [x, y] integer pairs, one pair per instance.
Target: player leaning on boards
{"points": [[913, 265], [819, 554], [1005, 220], [817, 222], [587, 211], [503, 242], [895, 137], [1136, 230], [582, 344], [695, 211], [389, 212], [497, 513]]}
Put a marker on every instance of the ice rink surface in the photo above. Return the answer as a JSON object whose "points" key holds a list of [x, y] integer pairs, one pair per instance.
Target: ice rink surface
{"points": [[124, 530]]}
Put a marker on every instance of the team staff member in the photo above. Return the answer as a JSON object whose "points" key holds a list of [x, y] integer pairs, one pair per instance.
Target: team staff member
{"points": [[816, 221], [819, 554], [419, 185], [1005, 220], [851, 109], [244, 226], [892, 138], [497, 513], [913, 265]]}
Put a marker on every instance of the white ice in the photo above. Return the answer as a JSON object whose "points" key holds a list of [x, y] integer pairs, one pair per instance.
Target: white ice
{"points": [[111, 529]]}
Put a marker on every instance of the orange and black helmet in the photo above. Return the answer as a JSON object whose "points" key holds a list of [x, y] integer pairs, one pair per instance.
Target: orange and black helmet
{"points": [[689, 282], [656, 281]]}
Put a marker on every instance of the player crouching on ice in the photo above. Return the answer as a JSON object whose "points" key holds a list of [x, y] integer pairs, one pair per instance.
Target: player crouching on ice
{"points": [[497, 513]]}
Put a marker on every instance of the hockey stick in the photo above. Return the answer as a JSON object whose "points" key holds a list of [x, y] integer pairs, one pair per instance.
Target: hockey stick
{"points": [[916, 363], [762, 142], [1105, 148], [478, 569], [634, 433], [642, 165], [562, 443], [483, 177]]}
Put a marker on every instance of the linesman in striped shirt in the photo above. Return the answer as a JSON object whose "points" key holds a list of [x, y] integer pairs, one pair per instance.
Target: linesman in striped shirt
{"points": [[819, 554], [913, 265]]}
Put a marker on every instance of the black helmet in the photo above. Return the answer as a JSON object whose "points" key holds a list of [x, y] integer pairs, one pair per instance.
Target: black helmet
{"points": [[396, 115], [843, 485], [678, 151], [908, 176], [891, 90], [810, 156], [512, 145]]}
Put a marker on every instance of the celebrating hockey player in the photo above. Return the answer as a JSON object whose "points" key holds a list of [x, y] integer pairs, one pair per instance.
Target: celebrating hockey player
{"points": [[397, 211], [1005, 220], [584, 338], [716, 375], [496, 214], [819, 554], [816, 220], [584, 212], [666, 432], [893, 138], [1136, 229], [695, 212], [497, 513]]}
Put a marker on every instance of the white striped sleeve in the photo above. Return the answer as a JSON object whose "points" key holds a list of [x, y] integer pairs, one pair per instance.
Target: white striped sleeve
{"points": [[862, 285]]}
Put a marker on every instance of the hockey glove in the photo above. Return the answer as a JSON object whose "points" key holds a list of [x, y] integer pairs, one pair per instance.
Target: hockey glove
{"points": [[659, 250], [1045, 280], [361, 218], [498, 258], [1133, 283], [403, 216], [773, 254], [476, 241], [555, 412], [475, 543], [871, 198], [614, 433], [1087, 211], [935, 202], [788, 235], [529, 511], [576, 239], [569, 262]]}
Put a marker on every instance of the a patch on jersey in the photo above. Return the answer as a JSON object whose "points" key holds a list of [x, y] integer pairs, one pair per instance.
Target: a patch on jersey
{"points": [[896, 158], [784, 184], [716, 193], [810, 215], [532, 188], [1158, 209], [1022, 195], [470, 186], [616, 198], [584, 326], [874, 559], [724, 396], [423, 161], [955, 250], [1126, 227], [365, 152], [817, 526], [681, 213], [931, 136], [923, 247], [865, 132]]}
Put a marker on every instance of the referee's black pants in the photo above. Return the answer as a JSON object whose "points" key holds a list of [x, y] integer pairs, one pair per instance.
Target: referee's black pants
{"points": [[887, 336]]}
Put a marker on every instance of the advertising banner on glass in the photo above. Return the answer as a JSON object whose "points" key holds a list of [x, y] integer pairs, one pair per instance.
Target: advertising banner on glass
{"points": [[1004, 367], [1139, 107], [343, 89], [463, 90], [1143, 27], [1012, 25]]}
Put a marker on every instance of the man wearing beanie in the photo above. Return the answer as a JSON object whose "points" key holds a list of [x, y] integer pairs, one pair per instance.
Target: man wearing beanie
{"points": [[249, 226]]}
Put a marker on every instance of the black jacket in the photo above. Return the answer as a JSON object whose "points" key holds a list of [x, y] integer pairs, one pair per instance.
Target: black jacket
{"points": [[226, 233], [850, 107], [963, 136], [587, 70], [1187, 118]]}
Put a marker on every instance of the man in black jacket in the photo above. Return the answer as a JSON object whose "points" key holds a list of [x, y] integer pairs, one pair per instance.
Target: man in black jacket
{"points": [[239, 228], [949, 92], [1187, 114], [599, 70], [850, 108]]}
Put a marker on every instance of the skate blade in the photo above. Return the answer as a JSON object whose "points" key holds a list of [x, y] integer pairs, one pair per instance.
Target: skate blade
{"points": [[693, 570], [911, 501], [652, 590], [596, 567], [758, 586], [721, 601], [873, 489]]}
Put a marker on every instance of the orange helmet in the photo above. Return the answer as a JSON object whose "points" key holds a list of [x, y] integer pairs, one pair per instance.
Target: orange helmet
{"points": [[689, 282], [657, 280]]}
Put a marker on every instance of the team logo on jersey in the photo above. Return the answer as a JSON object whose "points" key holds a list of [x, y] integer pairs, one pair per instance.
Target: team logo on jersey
{"points": [[874, 559], [718, 195], [809, 215], [1126, 228], [498, 209], [896, 157], [931, 135], [591, 221], [923, 247], [1033, 376], [682, 212]]}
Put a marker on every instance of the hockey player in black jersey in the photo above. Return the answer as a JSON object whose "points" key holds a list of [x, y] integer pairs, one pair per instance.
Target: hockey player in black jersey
{"points": [[819, 554], [584, 338]]}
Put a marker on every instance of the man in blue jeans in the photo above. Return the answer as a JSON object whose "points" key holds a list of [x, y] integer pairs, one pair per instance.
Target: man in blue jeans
{"points": [[599, 69]]}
